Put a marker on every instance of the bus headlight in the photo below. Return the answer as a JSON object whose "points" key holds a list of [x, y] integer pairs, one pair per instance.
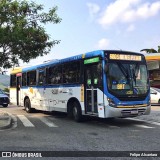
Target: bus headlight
{"points": [[149, 103], [111, 102]]}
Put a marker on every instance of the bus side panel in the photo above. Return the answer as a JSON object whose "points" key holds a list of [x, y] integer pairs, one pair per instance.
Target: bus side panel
{"points": [[13, 96], [58, 97], [52, 98], [33, 96], [101, 107], [22, 97]]}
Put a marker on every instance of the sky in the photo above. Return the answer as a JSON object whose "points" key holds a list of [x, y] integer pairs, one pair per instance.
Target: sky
{"points": [[89, 25]]}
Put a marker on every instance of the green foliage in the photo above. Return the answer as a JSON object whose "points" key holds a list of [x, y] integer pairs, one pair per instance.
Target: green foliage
{"points": [[6, 90], [22, 35], [151, 50], [4, 81]]}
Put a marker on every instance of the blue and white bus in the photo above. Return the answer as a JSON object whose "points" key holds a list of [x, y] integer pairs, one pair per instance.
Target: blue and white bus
{"points": [[104, 83]]}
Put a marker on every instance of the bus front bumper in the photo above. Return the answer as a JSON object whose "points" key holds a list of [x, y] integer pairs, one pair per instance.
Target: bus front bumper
{"points": [[126, 112]]}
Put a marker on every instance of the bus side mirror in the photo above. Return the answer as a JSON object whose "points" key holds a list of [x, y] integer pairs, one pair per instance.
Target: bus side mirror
{"points": [[154, 93]]}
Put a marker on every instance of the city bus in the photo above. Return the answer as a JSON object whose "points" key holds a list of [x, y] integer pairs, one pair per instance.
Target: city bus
{"points": [[103, 83]]}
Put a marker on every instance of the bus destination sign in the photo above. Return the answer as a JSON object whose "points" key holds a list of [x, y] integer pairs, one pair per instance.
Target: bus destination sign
{"points": [[91, 60], [125, 57]]}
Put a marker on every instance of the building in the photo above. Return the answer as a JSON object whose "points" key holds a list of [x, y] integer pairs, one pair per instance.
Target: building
{"points": [[153, 63]]}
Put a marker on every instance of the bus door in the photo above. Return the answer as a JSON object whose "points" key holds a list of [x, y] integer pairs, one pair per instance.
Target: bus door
{"points": [[18, 88], [93, 82], [42, 97]]}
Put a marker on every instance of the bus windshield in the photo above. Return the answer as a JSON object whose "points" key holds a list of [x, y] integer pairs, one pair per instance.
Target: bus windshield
{"points": [[127, 79]]}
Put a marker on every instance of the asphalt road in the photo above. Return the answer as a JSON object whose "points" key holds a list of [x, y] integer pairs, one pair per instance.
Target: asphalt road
{"points": [[43, 131]]}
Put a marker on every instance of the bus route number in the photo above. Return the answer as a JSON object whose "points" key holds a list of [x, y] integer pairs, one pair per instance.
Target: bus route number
{"points": [[120, 86]]}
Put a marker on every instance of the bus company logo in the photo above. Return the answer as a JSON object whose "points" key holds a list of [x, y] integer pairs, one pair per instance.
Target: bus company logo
{"points": [[54, 91], [6, 154], [31, 90]]}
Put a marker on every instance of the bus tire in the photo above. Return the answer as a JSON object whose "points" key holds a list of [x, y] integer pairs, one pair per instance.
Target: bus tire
{"points": [[28, 106], [76, 111], [5, 105]]}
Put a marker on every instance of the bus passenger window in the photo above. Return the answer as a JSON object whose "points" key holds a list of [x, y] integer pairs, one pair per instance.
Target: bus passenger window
{"points": [[24, 79], [31, 78], [13, 80], [41, 77], [55, 75], [71, 72]]}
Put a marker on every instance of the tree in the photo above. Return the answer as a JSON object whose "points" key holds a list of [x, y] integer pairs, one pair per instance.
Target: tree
{"points": [[22, 33], [158, 49], [6, 90], [151, 50]]}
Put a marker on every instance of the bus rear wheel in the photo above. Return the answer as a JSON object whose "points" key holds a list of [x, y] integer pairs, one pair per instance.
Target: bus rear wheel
{"points": [[76, 112], [28, 106]]}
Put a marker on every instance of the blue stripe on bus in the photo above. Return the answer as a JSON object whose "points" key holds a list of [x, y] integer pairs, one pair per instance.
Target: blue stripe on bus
{"points": [[51, 86]]}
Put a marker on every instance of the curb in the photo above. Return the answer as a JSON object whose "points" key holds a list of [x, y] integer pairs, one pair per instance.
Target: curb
{"points": [[6, 121]]}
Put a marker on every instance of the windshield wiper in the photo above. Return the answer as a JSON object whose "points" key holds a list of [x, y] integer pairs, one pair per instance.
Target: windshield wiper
{"points": [[135, 73], [123, 70]]}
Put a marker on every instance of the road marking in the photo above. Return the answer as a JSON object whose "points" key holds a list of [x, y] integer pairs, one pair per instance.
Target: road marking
{"points": [[47, 122], [146, 121], [143, 126], [25, 121], [112, 126]]}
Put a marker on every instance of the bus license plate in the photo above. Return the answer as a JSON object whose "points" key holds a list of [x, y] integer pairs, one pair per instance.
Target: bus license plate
{"points": [[134, 112]]}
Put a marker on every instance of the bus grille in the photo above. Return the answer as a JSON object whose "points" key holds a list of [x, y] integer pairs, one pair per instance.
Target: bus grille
{"points": [[132, 98], [133, 112]]}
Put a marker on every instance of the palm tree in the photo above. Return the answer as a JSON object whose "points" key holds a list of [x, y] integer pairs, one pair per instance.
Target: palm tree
{"points": [[151, 50], [158, 49]]}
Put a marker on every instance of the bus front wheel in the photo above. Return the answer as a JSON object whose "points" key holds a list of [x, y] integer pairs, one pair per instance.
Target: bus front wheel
{"points": [[28, 106], [77, 113]]}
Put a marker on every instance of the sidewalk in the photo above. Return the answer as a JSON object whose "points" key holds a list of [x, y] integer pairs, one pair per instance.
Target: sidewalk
{"points": [[5, 120]]}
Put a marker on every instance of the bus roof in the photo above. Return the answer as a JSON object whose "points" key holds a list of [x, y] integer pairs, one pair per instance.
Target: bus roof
{"points": [[69, 59], [77, 57], [16, 70]]}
